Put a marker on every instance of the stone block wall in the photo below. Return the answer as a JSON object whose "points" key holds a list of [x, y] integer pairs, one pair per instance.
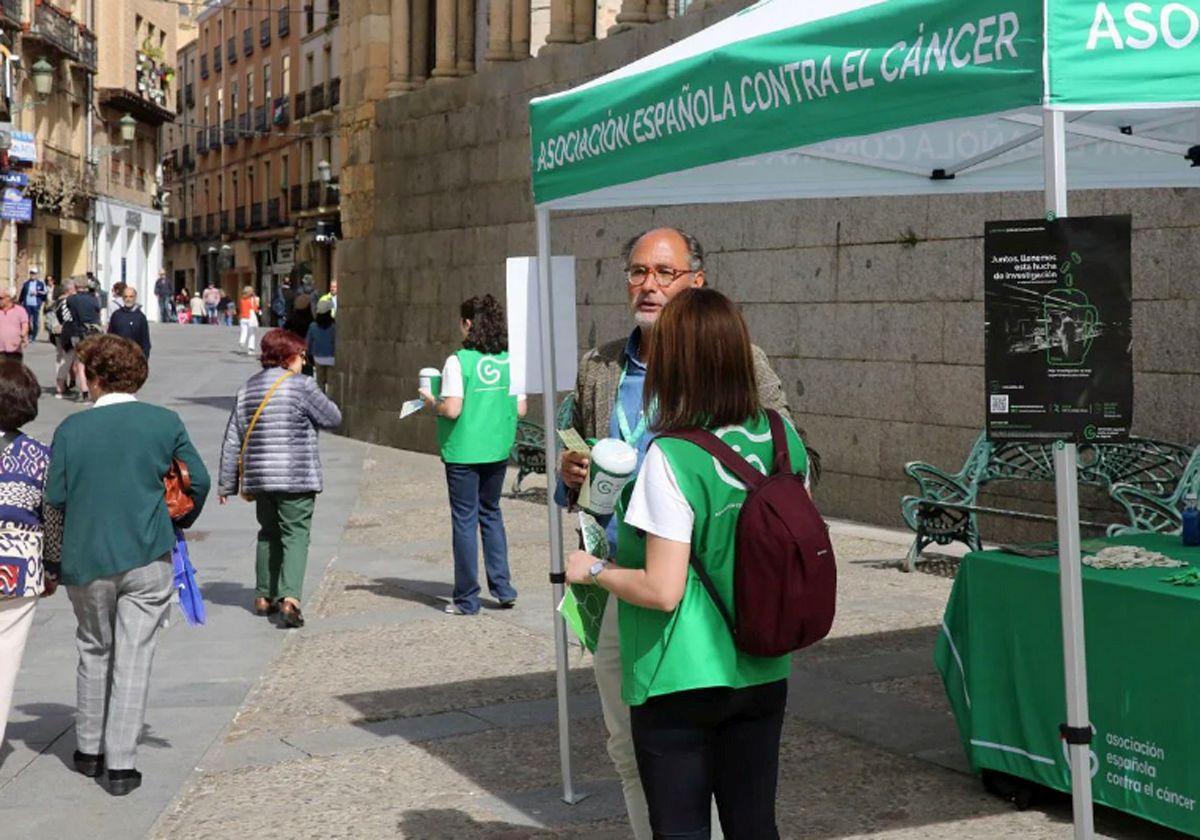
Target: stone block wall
{"points": [[870, 309]]}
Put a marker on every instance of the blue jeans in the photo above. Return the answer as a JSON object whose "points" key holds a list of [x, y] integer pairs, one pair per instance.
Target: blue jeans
{"points": [[212, 314], [164, 310], [33, 312], [475, 505]]}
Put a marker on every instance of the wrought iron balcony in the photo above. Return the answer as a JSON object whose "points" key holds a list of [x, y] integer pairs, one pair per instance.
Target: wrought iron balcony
{"points": [[261, 125], [224, 221], [195, 226], [264, 32], [88, 55], [201, 141], [332, 194], [10, 13], [285, 21], [230, 135], [231, 54], [214, 137], [335, 92], [280, 110], [217, 58], [314, 195], [57, 28], [316, 99], [189, 95], [301, 106], [240, 217], [256, 215], [248, 40], [210, 224], [204, 66], [297, 201], [182, 228], [243, 122], [273, 217], [188, 161]]}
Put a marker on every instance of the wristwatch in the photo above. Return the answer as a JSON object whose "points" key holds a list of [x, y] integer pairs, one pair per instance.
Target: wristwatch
{"points": [[595, 569]]}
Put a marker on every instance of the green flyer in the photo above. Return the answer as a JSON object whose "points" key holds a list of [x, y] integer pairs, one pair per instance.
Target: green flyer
{"points": [[583, 605]]}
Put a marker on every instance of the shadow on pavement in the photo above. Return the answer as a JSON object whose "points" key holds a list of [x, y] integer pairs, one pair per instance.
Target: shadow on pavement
{"points": [[447, 822], [222, 403], [228, 594], [428, 593]]}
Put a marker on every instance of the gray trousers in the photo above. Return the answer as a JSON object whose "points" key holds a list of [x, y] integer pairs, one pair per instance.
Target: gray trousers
{"points": [[118, 618]]}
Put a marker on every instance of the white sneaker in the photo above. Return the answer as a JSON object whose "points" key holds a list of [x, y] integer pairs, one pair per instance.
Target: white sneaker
{"points": [[453, 609]]}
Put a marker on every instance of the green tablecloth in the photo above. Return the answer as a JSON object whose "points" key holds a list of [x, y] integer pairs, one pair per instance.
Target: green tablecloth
{"points": [[1001, 659]]}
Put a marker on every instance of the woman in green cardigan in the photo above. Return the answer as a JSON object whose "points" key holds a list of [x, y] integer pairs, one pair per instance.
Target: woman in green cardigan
{"points": [[116, 556]]}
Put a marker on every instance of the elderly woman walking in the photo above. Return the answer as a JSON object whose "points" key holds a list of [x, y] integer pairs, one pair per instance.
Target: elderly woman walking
{"points": [[116, 558], [30, 530], [270, 455]]}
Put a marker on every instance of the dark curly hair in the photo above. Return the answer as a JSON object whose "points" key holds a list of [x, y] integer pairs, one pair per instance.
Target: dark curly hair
{"points": [[489, 330], [115, 363], [279, 347], [19, 392]]}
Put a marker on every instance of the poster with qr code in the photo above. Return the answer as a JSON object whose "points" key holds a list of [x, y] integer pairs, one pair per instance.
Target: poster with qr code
{"points": [[1058, 331]]}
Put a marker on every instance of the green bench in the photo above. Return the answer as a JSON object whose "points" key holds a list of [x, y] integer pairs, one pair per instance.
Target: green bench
{"points": [[1139, 474], [1149, 511], [529, 449]]}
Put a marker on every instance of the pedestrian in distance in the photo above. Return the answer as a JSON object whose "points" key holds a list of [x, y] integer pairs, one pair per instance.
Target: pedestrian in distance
{"points": [[321, 340], [270, 455], [706, 718], [301, 316], [64, 345], [52, 295], [162, 293], [212, 303], [183, 302], [116, 299], [249, 311], [281, 303], [130, 321], [30, 530], [198, 309], [608, 402], [34, 292], [14, 326], [477, 425], [228, 310], [84, 308], [116, 558], [331, 296]]}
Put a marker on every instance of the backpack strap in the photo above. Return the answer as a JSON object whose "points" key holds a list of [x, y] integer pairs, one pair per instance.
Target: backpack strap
{"points": [[720, 450], [711, 589], [783, 454]]}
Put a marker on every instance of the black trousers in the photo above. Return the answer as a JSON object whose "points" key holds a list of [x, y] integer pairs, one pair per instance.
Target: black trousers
{"points": [[722, 742]]}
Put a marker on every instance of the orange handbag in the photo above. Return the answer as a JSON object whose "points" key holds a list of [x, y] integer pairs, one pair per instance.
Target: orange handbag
{"points": [[178, 485]]}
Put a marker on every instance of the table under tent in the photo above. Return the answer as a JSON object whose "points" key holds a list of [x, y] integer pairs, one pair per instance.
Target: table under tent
{"points": [[853, 98]]}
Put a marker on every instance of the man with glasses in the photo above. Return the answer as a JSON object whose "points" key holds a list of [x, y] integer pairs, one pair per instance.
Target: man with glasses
{"points": [[659, 264]]}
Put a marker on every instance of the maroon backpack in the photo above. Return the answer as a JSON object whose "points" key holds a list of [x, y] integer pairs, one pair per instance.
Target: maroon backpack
{"points": [[784, 572]]}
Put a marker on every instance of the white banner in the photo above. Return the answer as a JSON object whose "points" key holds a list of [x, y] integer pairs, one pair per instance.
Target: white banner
{"points": [[525, 324]]}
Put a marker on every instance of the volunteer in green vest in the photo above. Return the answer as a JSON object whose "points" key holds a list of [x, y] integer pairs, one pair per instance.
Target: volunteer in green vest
{"points": [[706, 719], [477, 424]]}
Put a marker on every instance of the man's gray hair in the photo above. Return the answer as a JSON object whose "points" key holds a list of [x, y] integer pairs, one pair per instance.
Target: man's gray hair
{"points": [[8, 291], [694, 248]]}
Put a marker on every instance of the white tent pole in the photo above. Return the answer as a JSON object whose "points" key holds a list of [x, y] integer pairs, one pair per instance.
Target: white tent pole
{"points": [[549, 415], [1069, 561]]}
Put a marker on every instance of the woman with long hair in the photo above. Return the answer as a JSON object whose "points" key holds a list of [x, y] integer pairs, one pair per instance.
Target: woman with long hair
{"points": [[270, 455], [249, 310], [477, 425], [705, 717]]}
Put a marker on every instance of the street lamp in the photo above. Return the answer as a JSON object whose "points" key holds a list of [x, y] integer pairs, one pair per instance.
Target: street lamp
{"points": [[42, 74], [325, 171], [128, 128]]}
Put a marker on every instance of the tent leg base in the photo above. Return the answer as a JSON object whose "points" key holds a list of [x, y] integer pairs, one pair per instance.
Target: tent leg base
{"points": [[574, 797]]}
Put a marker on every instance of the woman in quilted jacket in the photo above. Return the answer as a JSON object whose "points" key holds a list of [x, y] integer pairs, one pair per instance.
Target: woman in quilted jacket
{"points": [[270, 454], [30, 530]]}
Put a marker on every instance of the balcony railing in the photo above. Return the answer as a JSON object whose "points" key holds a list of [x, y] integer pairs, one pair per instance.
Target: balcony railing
{"points": [[285, 21], [273, 217], [224, 221], [56, 27], [279, 114], [244, 125], [297, 202], [314, 195], [217, 58], [248, 40], [332, 194], [204, 66], [256, 216], [195, 226], [231, 51], [335, 92], [188, 161], [88, 55], [240, 217], [210, 224], [264, 32], [182, 228], [334, 11], [10, 12], [214, 137], [260, 120], [189, 95], [316, 99], [301, 106], [230, 135], [201, 141]]}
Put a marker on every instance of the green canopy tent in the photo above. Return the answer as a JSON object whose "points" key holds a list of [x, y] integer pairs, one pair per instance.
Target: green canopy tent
{"points": [[789, 99]]}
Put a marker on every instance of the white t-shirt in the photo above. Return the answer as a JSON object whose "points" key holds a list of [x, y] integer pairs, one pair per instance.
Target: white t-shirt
{"points": [[657, 505], [452, 379]]}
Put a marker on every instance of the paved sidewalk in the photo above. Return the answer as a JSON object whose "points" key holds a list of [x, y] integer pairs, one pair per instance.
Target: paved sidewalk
{"points": [[201, 675]]}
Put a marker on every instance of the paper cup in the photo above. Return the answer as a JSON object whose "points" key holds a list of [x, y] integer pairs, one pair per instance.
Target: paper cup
{"points": [[613, 463], [431, 379]]}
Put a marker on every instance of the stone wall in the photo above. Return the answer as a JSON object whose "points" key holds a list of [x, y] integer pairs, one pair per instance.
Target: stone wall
{"points": [[871, 309]]}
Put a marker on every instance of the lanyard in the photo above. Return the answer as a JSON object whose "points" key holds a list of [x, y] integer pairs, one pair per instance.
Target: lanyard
{"points": [[630, 436]]}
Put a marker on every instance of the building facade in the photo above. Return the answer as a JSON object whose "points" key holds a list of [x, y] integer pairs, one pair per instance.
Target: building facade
{"points": [[253, 167]]}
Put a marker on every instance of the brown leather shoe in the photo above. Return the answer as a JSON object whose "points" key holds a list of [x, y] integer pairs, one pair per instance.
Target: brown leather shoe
{"points": [[265, 606], [289, 610]]}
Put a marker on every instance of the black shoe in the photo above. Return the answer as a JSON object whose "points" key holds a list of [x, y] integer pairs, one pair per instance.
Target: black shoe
{"points": [[89, 765], [508, 605], [122, 782], [289, 611]]}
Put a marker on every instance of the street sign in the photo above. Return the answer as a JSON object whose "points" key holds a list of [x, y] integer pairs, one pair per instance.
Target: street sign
{"points": [[14, 179], [24, 147], [19, 210], [1059, 329]]}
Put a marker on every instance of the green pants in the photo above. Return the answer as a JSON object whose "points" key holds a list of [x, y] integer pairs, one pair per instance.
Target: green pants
{"points": [[284, 526]]}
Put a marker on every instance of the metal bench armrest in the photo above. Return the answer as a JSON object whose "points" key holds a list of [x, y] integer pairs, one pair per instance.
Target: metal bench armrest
{"points": [[1147, 512]]}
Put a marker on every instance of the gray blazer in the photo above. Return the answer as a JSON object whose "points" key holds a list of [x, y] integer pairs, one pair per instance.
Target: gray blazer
{"points": [[282, 455]]}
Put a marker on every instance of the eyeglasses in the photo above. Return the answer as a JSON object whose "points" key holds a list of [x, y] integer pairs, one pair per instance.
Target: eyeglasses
{"points": [[664, 275]]}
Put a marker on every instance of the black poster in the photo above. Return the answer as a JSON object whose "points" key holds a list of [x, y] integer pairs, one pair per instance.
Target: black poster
{"points": [[1058, 333]]}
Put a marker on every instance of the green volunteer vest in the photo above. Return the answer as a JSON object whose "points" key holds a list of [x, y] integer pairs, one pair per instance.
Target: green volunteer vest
{"points": [[690, 648], [485, 431]]}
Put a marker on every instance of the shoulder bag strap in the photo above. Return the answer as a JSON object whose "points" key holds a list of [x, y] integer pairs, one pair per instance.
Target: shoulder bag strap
{"points": [[254, 421], [779, 439]]}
